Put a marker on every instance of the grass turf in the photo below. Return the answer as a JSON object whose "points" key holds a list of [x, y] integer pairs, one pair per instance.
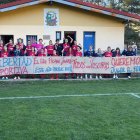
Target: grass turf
{"points": [[70, 118]]}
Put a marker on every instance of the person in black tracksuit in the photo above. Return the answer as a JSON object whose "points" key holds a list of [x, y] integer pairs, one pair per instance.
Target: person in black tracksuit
{"points": [[58, 48], [129, 52]]}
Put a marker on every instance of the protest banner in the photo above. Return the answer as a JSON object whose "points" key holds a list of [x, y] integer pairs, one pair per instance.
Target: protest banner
{"points": [[60, 65]]}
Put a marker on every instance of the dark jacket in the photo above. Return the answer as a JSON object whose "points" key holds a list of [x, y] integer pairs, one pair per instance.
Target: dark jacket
{"points": [[17, 52], [59, 48], [130, 53], [115, 54], [90, 53]]}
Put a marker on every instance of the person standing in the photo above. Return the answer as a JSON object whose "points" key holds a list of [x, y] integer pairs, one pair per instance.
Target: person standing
{"points": [[10, 48], [29, 48], [42, 54], [108, 53], [39, 46], [5, 54], [89, 53], [58, 48], [75, 48], [50, 48], [129, 52], [99, 54], [1, 47], [66, 47], [116, 53], [134, 47], [79, 54], [53, 76]]}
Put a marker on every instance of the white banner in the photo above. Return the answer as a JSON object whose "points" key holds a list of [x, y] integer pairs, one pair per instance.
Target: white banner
{"points": [[60, 65]]}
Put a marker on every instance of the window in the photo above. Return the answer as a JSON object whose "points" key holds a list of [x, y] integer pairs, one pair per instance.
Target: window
{"points": [[32, 38], [58, 35]]}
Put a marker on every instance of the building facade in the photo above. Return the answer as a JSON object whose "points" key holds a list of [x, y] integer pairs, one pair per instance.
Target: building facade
{"points": [[58, 20]]}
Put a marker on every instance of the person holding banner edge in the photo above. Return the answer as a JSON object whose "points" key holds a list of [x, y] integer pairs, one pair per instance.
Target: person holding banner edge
{"points": [[129, 52]]}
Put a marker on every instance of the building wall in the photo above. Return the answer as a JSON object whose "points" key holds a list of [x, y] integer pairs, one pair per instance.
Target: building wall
{"points": [[30, 21]]}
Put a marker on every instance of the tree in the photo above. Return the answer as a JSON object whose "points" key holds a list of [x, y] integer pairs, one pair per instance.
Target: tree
{"points": [[132, 29]]}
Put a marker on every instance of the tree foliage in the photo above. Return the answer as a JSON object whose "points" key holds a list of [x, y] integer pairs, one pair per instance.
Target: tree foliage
{"points": [[132, 30]]}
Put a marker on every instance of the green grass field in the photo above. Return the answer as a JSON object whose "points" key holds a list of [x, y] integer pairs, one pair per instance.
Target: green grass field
{"points": [[115, 117]]}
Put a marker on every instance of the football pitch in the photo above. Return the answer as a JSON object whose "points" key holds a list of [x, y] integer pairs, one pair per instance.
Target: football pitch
{"points": [[70, 110]]}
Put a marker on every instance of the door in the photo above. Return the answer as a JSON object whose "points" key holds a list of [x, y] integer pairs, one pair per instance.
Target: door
{"points": [[89, 40]]}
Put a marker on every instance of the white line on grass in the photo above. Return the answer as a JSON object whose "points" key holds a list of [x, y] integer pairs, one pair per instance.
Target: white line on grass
{"points": [[135, 95], [59, 96]]}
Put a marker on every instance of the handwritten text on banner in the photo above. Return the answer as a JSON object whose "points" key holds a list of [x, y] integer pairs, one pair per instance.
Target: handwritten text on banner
{"points": [[49, 65]]}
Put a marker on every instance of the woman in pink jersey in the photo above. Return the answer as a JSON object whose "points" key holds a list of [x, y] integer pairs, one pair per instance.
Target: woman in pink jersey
{"points": [[79, 53], [31, 53], [10, 47], [42, 54], [108, 53], [29, 48], [1, 47], [70, 54], [50, 48], [53, 76], [66, 47], [33, 43], [74, 48], [5, 54], [39, 46]]}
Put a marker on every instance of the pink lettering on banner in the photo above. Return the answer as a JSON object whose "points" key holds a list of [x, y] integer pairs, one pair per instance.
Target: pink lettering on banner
{"points": [[40, 60], [78, 65], [54, 60], [13, 70], [99, 65], [66, 61], [125, 61], [50, 65]]}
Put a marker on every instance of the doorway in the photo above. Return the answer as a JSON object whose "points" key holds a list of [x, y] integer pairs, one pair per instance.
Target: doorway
{"points": [[89, 40], [6, 38], [72, 34]]}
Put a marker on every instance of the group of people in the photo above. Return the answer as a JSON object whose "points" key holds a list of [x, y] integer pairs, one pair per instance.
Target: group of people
{"points": [[69, 47]]}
